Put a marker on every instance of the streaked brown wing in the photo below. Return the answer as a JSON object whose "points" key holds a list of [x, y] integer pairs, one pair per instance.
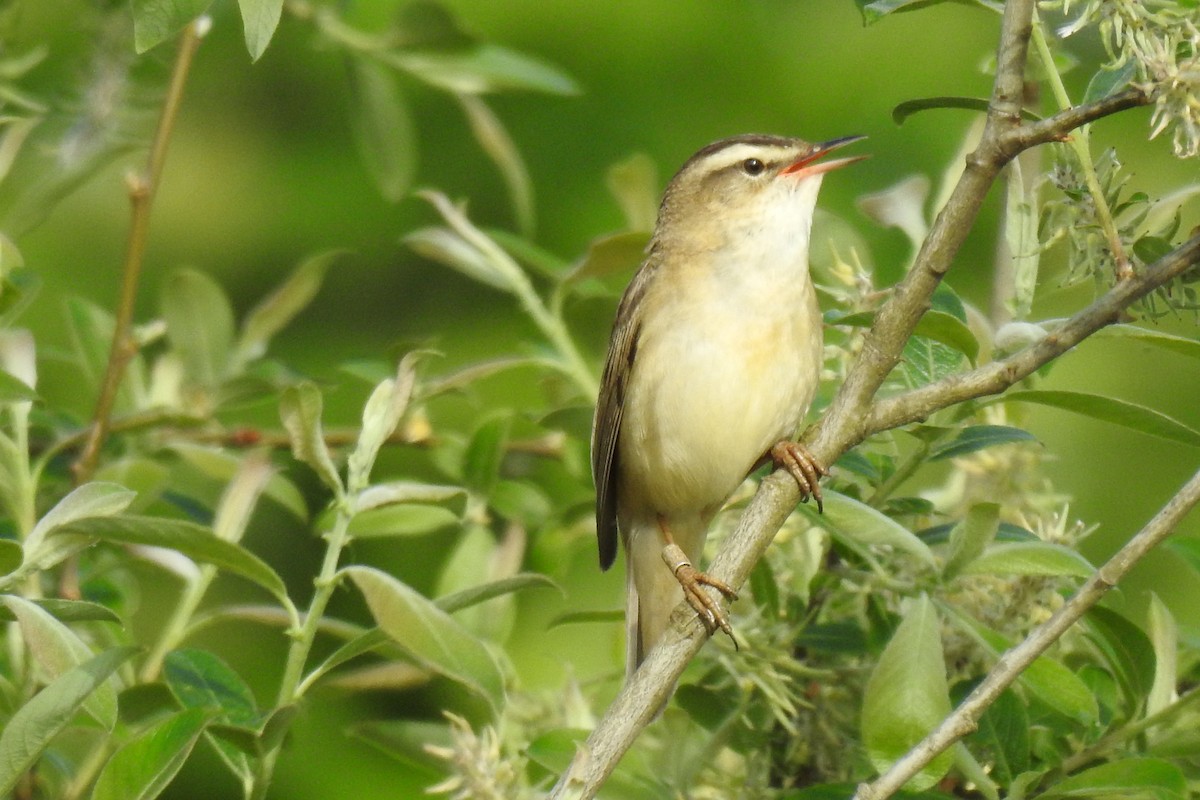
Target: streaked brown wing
{"points": [[606, 429]]}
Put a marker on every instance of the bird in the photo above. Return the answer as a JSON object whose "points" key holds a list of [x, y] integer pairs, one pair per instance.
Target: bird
{"points": [[714, 357]]}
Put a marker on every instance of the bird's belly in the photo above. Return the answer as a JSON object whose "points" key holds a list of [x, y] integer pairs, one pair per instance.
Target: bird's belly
{"points": [[719, 399]]}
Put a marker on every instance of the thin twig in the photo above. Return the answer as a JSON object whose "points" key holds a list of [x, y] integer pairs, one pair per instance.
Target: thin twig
{"points": [[965, 718], [142, 188], [997, 376]]}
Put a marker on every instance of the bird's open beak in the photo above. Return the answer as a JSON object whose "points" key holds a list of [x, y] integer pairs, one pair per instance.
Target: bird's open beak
{"points": [[808, 165]]}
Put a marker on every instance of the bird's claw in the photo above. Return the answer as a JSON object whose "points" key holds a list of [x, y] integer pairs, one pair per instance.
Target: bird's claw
{"points": [[804, 467], [707, 607]]}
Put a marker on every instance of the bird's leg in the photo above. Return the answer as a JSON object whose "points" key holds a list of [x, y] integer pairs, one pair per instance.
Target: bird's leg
{"points": [[691, 579], [807, 471]]}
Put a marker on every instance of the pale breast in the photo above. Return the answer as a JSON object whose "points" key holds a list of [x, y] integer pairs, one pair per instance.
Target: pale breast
{"points": [[713, 386]]}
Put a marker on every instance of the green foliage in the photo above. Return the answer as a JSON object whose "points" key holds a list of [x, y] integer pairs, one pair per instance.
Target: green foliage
{"points": [[941, 544]]}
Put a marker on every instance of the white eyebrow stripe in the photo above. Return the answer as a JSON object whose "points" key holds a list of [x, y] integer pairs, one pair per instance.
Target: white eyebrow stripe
{"points": [[738, 152]]}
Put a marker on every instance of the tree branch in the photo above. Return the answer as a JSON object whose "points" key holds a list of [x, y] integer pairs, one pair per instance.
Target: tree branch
{"points": [[997, 376], [965, 718], [142, 187]]}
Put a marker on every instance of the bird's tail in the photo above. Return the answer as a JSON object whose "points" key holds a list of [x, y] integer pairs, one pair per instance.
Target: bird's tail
{"points": [[652, 590]]}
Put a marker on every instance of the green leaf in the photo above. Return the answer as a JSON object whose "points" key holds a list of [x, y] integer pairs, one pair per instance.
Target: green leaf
{"points": [[381, 415], [1003, 735], [1182, 345], [614, 254], [1132, 778], [145, 765], [260, 18], [977, 437], [202, 681], [1109, 409], [407, 519], [447, 247], [1127, 652], [484, 68], [909, 107], [858, 524], [1109, 81], [429, 634], [489, 131], [907, 696], [199, 324], [386, 494], [634, 184], [92, 329], [95, 499], [13, 390], [363, 643], [69, 611], [1030, 558], [276, 310], [480, 594], [300, 411], [587, 618], [926, 361], [1187, 548], [555, 749], [409, 742], [1149, 249], [30, 729], [383, 127], [194, 541], [1021, 236], [11, 556], [57, 649], [948, 330], [485, 453], [970, 536], [154, 21], [1052, 683], [222, 466], [1164, 637]]}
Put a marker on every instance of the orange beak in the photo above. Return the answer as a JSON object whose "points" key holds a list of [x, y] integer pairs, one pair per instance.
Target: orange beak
{"points": [[808, 165]]}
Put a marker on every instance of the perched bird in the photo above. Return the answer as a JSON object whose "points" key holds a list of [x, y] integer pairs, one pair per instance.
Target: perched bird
{"points": [[714, 358]]}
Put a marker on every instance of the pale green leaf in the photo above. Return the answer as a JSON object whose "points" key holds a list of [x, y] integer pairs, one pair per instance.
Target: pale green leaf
{"points": [[194, 541], [58, 649], [300, 410], [479, 594], [1021, 236], [154, 21], [222, 465], [634, 184], [30, 729], [1164, 637], [385, 494], [1109, 81], [485, 68], [1109, 409], [92, 329], [402, 519], [970, 536], [383, 127], [857, 524], [429, 634], [611, 255], [1030, 558], [1182, 345], [381, 415], [447, 247], [69, 611], [199, 324], [489, 131], [260, 18], [13, 390], [276, 310], [143, 767], [907, 695], [95, 499], [1130, 778]]}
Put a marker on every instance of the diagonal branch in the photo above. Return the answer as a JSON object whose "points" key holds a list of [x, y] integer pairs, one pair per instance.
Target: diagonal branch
{"points": [[965, 718], [997, 376]]}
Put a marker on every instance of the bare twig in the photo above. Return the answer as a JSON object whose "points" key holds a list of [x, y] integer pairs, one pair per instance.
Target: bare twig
{"points": [[965, 718], [142, 188]]}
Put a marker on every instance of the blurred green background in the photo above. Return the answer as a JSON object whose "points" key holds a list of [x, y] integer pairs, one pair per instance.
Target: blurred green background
{"points": [[263, 171]]}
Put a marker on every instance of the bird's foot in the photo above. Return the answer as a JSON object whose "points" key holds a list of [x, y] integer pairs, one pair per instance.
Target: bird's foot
{"points": [[795, 458], [691, 579]]}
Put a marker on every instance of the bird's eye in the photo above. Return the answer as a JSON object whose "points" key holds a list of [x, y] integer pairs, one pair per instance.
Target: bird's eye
{"points": [[752, 166]]}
